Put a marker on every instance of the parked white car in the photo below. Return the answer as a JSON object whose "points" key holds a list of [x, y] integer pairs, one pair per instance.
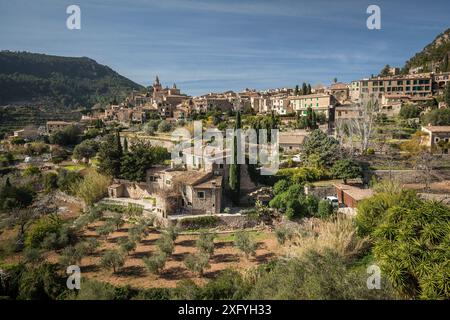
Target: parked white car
{"points": [[296, 158], [333, 200]]}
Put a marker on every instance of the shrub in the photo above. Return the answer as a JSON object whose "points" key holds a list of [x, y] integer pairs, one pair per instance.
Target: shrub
{"points": [[112, 259], [229, 285], [172, 232], [372, 210], [33, 255], [92, 188], [58, 240], [325, 209], [40, 283], [156, 262], [117, 220], [70, 256], [244, 243], [50, 182], [165, 244], [105, 229], [154, 294], [127, 245], [43, 227], [197, 262], [186, 289], [315, 276], [199, 222], [31, 171], [205, 243], [346, 169], [93, 290], [281, 186], [411, 244], [67, 179], [283, 234]]}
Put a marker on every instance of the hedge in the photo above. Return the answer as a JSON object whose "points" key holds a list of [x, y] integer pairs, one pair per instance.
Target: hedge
{"points": [[199, 222]]}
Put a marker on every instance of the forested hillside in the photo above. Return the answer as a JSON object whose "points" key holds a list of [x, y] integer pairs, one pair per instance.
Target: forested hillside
{"points": [[61, 82], [434, 55]]}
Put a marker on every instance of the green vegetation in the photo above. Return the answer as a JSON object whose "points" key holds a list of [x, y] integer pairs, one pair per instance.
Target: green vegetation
{"points": [[408, 111], [139, 158], [155, 262], [411, 242], [68, 136], [346, 169], [112, 259], [197, 262], [437, 117], [319, 150], [87, 149], [17, 196], [92, 188], [245, 243], [434, 53], [196, 223]]}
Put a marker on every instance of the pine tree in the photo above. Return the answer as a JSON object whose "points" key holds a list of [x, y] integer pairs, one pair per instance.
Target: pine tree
{"points": [[110, 156]]}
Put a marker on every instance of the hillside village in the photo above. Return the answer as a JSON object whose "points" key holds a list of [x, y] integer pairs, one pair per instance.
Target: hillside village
{"points": [[106, 193]]}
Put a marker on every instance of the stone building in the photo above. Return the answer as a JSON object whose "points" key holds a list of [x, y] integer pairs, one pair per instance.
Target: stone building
{"points": [[438, 138]]}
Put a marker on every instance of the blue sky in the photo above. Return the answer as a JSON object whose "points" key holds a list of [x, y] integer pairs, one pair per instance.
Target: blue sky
{"points": [[208, 45]]}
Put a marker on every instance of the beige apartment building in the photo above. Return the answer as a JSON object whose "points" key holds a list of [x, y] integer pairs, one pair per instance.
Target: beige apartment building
{"points": [[418, 85], [205, 104], [318, 102], [280, 104], [355, 91], [347, 111]]}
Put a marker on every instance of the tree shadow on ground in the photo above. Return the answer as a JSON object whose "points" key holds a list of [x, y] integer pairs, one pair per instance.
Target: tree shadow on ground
{"points": [[131, 271], [148, 242], [90, 268], [140, 254], [223, 244], [179, 256], [116, 239], [263, 258], [186, 243], [173, 273], [225, 257], [211, 274]]}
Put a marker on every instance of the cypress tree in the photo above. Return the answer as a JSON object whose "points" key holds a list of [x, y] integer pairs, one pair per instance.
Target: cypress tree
{"points": [[309, 88], [119, 144], [125, 145], [304, 88], [447, 94], [445, 63], [235, 168]]}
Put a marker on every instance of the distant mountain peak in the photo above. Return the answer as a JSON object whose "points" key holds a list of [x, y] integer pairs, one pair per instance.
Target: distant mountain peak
{"points": [[434, 56]]}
